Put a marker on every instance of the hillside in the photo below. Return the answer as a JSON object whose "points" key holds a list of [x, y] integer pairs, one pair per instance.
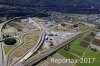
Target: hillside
{"points": [[30, 6]]}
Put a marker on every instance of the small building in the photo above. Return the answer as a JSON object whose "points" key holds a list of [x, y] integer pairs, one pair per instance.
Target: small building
{"points": [[97, 35]]}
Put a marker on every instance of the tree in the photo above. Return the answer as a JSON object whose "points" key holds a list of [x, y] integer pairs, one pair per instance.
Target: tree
{"points": [[10, 41], [5, 36], [98, 27]]}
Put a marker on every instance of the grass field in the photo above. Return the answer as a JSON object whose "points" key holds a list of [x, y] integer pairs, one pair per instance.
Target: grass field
{"points": [[75, 48], [64, 28], [83, 27], [66, 54], [29, 42], [17, 25], [91, 54], [67, 27], [8, 48]]}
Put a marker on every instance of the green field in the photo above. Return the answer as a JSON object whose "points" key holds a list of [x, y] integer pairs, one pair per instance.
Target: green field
{"points": [[12, 24], [7, 48], [66, 54], [83, 26], [17, 25], [75, 48], [91, 54], [78, 50], [66, 27]]}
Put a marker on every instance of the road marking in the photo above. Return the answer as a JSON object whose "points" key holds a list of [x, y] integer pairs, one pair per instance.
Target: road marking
{"points": [[27, 56]]}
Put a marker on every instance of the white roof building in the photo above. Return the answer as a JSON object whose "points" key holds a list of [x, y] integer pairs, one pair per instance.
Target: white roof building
{"points": [[97, 35]]}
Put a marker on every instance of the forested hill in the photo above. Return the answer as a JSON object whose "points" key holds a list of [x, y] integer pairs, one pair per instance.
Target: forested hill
{"points": [[56, 3], [73, 6]]}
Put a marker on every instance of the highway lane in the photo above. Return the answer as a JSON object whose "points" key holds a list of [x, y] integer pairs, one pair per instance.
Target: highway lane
{"points": [[39, 43]]}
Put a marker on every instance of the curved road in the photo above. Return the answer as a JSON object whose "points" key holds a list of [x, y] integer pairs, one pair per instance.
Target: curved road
{"points": [[36, 47], [1, 45]]}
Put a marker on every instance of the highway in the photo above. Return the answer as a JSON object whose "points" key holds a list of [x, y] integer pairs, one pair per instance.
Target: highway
{"points": [[24, 61], [2, 62], [39, 57], [36, 47], [39, 43]]}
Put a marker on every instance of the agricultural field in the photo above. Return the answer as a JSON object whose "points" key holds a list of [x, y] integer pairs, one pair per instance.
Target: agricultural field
{"points": [[91, 54], [16, 24], [87, 40], [67, 54], [84, 44], [96, 42], [80, 49], [76, 49]]}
